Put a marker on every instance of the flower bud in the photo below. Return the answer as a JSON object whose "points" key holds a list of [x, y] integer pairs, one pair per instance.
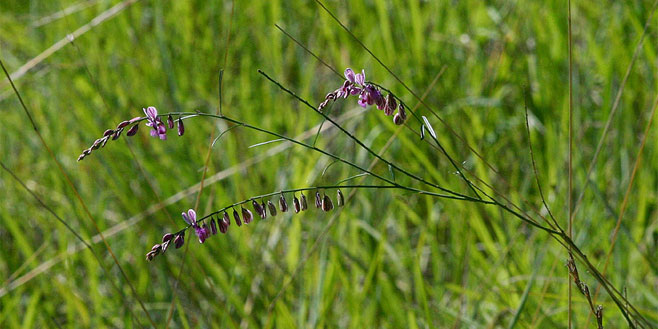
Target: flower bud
{"points": [[258, 209], [340, 199], [224, 223], [327, 205], [167, 237], [247, 215], [213, 226], [304, 203], [318, 200], [236, 216], [181, 128], [132, 131], [123, 124], [170, 122], [117, 133], [397, 119], [108, 132], [179, 240], [296, 205], [391, 104], [262, 205], [283, 205], [402, 112], [272, 208]]}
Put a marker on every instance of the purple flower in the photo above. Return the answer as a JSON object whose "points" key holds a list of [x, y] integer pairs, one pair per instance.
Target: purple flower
{"points": [[201, 232], [360, 78], [159, 128], [349, 75], [190, 217]]}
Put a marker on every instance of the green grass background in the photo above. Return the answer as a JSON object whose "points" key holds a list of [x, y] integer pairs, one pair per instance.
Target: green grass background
{"points": [[391, 259]]}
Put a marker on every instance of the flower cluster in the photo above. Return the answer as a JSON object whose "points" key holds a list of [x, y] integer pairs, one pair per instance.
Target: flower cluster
{"points": [[153, 120], [221, 220], [369, 94]]}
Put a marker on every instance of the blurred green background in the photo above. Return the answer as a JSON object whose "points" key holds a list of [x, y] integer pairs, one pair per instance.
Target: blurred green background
{"points": [[390, 259]]}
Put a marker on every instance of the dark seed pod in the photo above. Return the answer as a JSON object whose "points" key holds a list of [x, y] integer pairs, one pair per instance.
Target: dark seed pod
{"points": [[327, 205], [213, 226], [150, 255], [283, 205], [132, 131], [262, 205], [167, 237], [247, 215], [236, 216], [181, 128], [296, 204], [391, 104], [179, 240], [304, 203], [156, 247], [272, 208], [340, 199], [258, 209], [318, 200], [108, 132], [170, 122]]}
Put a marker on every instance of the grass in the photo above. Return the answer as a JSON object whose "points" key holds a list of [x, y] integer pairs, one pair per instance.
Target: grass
{"points": [[389, 259]]}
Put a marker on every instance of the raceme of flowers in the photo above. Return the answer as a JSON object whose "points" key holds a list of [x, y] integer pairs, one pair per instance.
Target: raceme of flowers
{"points": [[158, 129], [220, 221], [355, 85]]}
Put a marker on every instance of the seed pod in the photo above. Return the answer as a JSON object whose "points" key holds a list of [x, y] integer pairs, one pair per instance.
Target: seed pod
{"points": [[213, 226], [304, 203], [327, 205], [170, 122], [179, 240], [295, 203], [236, 216], [318, 200], [258, 209], [283, 205], [132, 131], [108, 132], [150, 255], [272, 208], [340, 199], [181, 128], [167, 237], [156, 247], [247, 215], [262, 205]]}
